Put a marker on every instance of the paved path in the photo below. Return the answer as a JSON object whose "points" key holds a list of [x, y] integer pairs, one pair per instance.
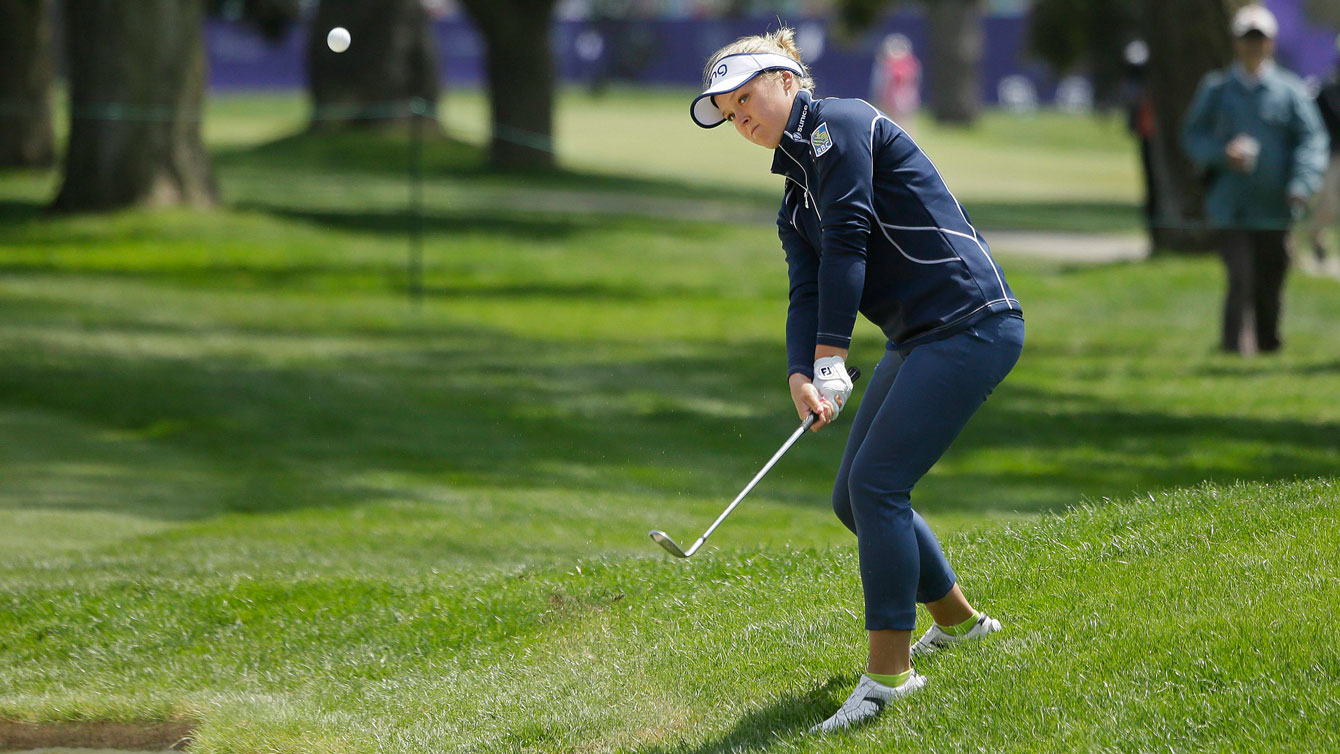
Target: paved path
{"points": [[1094, 248], [1310, 265]]}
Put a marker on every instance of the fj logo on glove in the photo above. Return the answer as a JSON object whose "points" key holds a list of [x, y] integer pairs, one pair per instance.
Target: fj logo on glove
{"points": [[826, 371]]}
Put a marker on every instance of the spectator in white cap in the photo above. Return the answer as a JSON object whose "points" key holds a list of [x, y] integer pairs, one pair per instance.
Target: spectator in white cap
{"points": [[1258, 138], [1256, 18]]}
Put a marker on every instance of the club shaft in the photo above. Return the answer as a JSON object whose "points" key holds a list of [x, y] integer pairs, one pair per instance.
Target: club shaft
{"points": [[766, 467]]}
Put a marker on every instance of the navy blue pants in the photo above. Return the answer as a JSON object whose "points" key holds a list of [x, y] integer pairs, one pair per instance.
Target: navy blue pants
{"points": [[916, 403]]}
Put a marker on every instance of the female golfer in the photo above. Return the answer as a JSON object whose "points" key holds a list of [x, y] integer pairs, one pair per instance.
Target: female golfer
{"points": [[869, 225]]}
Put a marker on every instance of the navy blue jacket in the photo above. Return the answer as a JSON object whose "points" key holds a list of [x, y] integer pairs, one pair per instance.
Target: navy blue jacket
{"points": [[869, 225]]}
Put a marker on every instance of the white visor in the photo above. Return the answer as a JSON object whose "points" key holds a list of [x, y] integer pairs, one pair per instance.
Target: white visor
{"points": [[731, 73]]}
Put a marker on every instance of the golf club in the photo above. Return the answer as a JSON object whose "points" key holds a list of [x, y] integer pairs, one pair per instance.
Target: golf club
{"points": [[664, 539]]}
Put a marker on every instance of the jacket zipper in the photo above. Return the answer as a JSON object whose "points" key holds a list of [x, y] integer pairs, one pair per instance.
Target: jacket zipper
{"points": [[803, 186], [805, 192]]}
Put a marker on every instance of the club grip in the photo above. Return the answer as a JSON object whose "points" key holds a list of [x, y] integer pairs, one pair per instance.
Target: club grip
{"points": [[855, 374]]}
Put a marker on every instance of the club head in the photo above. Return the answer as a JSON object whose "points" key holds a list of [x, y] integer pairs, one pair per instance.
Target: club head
{"points": [[665, 541]]}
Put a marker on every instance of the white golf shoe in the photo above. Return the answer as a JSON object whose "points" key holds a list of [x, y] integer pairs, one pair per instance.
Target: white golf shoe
{"points": [[937, 638], [867, 701]]}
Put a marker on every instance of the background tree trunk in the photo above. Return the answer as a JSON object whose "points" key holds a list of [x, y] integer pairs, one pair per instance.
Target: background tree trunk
{"points": [[953, 64], [521, 79], [1187, 39], [391, 62], [1323, 11], [26, 135], [137, 84], [953, 69]]}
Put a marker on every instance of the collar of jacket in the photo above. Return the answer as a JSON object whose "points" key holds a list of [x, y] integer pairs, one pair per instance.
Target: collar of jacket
{"points": [[1263, 76], [796, 137]]}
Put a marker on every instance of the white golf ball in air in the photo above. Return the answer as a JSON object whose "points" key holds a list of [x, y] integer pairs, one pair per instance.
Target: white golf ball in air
{"points": [[338, 39]]}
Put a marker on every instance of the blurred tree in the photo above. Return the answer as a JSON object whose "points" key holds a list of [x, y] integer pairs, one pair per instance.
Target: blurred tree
{"points": [[625, 37], [26, 135], [1094, 37], [1086, 36], [137, 83], [521, 79], [953, 67], [954, 63], [1187, 39], [272, 18], [391, 64], [1324, 12]]}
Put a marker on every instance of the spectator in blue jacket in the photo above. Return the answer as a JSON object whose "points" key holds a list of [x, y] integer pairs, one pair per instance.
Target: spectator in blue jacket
{"points": [[868, 225], [1257, 135]]}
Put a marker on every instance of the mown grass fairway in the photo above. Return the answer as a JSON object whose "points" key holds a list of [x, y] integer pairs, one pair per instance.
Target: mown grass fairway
{"points": [[245, 482]]}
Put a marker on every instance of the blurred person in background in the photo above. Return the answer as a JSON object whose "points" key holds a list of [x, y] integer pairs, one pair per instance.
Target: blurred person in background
{"points": [[1327, 214], [896, 81], [1141, 122], [1257, 136], [868, 225]]}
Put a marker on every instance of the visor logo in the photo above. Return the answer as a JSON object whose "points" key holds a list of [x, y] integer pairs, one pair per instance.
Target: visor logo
{"points": [[719, 72]]}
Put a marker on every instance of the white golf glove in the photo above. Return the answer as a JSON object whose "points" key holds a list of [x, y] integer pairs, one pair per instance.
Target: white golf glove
{"points": [[832, 382]]}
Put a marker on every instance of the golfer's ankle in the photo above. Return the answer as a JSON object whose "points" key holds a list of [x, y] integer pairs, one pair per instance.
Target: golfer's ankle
{"points": [[892, 680], [962, 627]]}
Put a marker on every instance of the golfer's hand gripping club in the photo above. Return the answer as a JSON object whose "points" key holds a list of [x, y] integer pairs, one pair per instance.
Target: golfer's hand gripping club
{"points": [[833, 382], [664, 540]]}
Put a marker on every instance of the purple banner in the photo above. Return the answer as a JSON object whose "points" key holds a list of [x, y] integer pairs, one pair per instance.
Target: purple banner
{"points": [[1304, 48], [240, 58], [672, 52], [653, 51]]}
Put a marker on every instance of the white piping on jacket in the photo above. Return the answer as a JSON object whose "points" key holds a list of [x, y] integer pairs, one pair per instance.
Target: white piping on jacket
{"points": [[976, 237]]}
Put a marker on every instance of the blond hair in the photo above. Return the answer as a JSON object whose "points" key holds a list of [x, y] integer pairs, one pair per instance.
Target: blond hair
{"points": [[782, 42]]}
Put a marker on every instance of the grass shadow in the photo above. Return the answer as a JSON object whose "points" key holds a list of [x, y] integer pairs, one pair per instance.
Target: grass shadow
{"points": [[17, 211], [762, 729], [269, 435], [1262, 366], [521, 226], [1082, 447], [388, 155]]}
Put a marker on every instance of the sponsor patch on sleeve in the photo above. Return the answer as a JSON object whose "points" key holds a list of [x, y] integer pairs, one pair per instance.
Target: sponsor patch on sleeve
{"points": [[820, 141]]}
